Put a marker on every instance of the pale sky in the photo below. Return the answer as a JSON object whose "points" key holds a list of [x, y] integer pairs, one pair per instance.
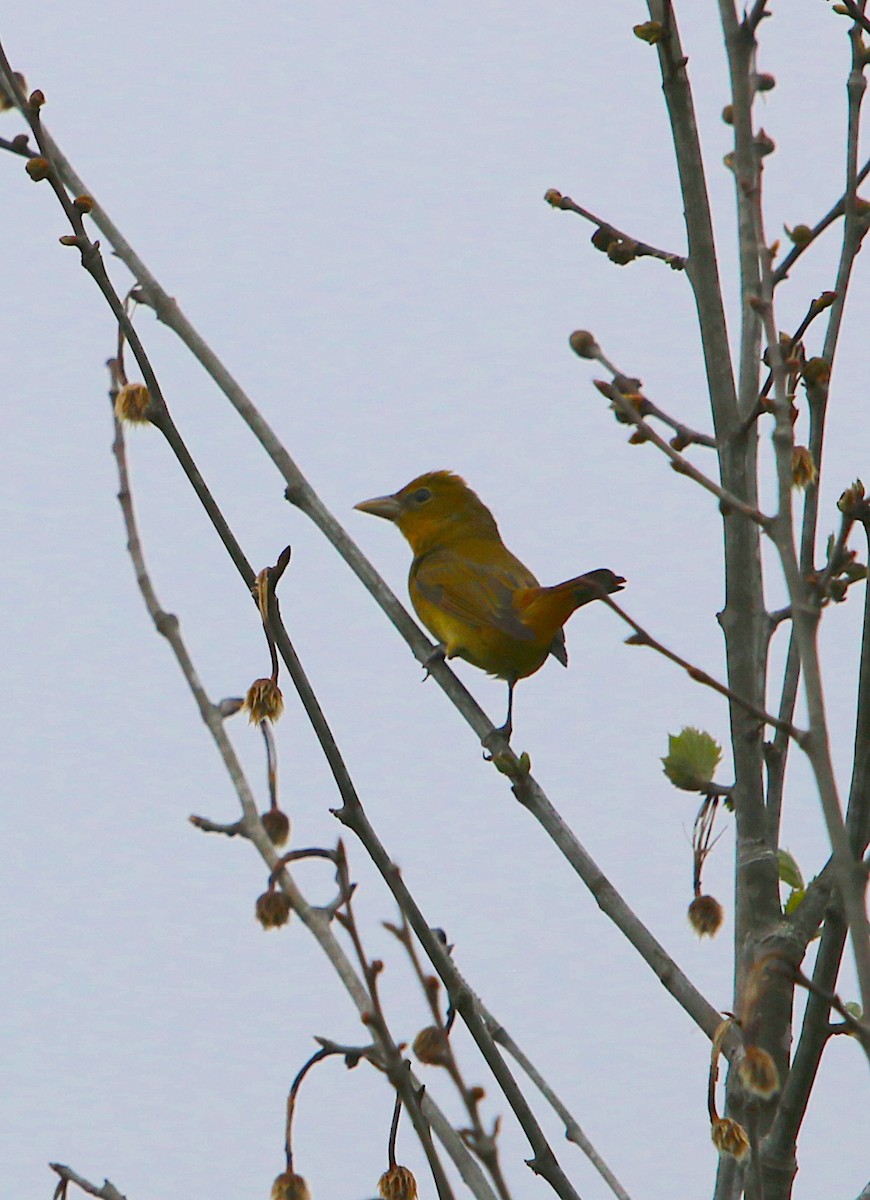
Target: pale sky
{"points": [[347, 202]]}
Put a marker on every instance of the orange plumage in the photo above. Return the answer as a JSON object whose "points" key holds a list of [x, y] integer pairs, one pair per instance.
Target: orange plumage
{"points": [[470, 592]]}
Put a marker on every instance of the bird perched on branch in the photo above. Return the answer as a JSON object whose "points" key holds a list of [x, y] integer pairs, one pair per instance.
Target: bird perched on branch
{"points": [[471, 593]]}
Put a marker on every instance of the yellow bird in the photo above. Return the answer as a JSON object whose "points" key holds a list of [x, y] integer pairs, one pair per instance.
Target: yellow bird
{"points": [[477, 599]]}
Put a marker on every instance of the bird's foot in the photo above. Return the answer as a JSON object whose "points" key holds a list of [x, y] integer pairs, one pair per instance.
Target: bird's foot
{"points": [[437, 655], [497, 741]]}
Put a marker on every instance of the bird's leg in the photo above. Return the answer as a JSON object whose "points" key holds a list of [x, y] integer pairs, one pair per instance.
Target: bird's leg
{"points": [[507, 729], [491, 742], [437, 655]]}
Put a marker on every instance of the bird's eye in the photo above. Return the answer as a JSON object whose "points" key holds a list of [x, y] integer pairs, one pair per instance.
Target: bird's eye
{"points": [[422, 495]]}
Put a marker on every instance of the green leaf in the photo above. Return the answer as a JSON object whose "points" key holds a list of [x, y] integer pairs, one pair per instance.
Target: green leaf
{"points": [[692, 759], [789, 871], [794, 901]]}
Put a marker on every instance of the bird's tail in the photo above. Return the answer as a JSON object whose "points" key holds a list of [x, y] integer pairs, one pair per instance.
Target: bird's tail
{"points": [[550, 607]]}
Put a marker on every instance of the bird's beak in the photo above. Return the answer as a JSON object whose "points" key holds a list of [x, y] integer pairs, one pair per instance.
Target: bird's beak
{"points": [[387, 507]]}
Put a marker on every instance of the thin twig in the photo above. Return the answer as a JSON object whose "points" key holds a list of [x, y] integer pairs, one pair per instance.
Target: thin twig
{"points": [[300, 493], [106, 1191], [805, 618], [753, 19], [396, 1065], [829, 218], [642, 638], [857, 14], [484, 1145], [631, 246], [316, 921], [632, 415]]}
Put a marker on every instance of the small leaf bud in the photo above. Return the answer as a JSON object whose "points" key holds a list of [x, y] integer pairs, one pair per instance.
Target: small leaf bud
{"points": [[622, 251], [801, 235], [816, 370], [84, 204], [649, 32], [397, 1184], [764, 144], [6, 99], [825, 300], [583, 344], [133, 403], [264, 701], [69, 239], [728, 114], [765, 83], [706, 916], [602, 238], [38, 168], [553, 197], [852, 497], [36, 99]]}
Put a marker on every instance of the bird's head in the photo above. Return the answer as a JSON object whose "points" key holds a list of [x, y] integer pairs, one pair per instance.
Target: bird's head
{"points": [[433, 510]]}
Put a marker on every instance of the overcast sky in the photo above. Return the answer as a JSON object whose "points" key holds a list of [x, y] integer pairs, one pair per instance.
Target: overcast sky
{"points": [[347, 202]]}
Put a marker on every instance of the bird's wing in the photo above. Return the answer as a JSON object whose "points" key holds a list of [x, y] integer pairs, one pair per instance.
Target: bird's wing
{"points": [[480, 594]]}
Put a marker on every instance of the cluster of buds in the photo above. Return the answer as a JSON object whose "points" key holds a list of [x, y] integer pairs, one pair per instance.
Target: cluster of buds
{"points": [[619, 250]]}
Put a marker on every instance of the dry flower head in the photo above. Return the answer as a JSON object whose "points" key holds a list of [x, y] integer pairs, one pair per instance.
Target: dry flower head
{"points": [[273, 909], [397, 1184], [290, 1187], [729, 1137], [133, 403], [706, 915], [264, 701]]}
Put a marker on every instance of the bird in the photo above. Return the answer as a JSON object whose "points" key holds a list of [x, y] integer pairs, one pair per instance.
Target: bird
{"points": [[473, 595]]}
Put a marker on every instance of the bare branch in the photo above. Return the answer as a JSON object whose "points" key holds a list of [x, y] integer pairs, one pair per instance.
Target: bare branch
{"points": [[833, 213], [316, 921], [642, 638], [620, 247], [106, 1191]]}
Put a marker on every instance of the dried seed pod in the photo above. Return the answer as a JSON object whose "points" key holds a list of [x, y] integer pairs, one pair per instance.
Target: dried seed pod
{"points": [[273, 909], [706, 915], [397, 1184], [264, 701]]}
